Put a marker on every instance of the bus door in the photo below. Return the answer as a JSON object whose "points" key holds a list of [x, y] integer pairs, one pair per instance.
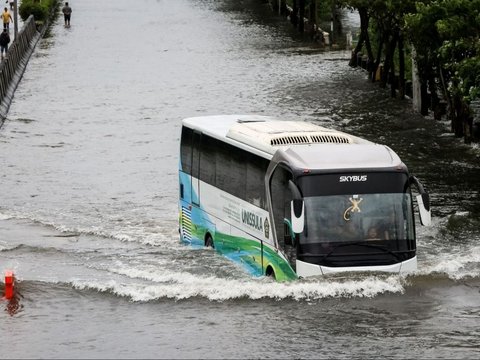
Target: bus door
{"points": [[195, 168], [281, 198]]}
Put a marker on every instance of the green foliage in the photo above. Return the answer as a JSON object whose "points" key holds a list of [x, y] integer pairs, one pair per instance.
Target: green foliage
{"points": [[324, 10], [324, 7], [460, 49], [27, 8], [423, 35], [40, 10], [445, 34], [461, 58]]}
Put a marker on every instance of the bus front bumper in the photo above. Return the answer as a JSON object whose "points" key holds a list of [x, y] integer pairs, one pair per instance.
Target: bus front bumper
{"points": [[306, 269]]}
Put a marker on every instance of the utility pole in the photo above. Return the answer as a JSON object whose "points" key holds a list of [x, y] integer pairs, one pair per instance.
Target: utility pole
{"points": [[15, 21]]}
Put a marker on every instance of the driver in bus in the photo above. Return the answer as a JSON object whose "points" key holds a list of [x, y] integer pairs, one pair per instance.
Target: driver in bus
{"points": [[373, 233], [376, 233]]}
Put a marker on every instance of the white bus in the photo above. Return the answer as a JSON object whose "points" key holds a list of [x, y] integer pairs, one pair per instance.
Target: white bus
{"points": [[293, 199]]}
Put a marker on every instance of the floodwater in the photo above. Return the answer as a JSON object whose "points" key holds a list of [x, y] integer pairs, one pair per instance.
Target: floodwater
{"points": [[88, 204]]}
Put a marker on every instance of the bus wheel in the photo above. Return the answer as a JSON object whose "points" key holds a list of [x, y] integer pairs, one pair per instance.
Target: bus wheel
{"points": [[209, 242], [270, 273]]}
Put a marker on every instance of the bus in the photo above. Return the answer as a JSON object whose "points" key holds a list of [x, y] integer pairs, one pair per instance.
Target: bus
{"points": [[292, 199]]}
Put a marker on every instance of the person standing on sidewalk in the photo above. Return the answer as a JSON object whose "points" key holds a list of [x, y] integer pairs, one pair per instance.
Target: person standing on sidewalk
{"points": [[6, 17], [67, 12], [4, 41]]}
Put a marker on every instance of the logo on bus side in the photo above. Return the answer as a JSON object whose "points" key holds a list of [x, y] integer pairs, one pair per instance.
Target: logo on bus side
{"points": [[353, 178], [252, 220]]}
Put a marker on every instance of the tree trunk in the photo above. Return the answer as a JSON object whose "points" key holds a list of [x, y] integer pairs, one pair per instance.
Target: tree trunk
{"points": [[416, 84], [424, 99], [446, 95], [401, 66], [378, 59], [294, 14], [393, 79], [435, 101], [312, 18], [364, 19], [389, 62], [274, 5], [468, 126], [313, 12], [283, 7], [368, 46], [301, 16], [457, 121], [464, 121], [353, 60]]}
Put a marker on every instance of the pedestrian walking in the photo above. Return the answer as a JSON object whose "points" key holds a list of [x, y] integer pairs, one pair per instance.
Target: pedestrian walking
{"points": [[12, 5], [6, 17], [4, 41], [67, 12]]}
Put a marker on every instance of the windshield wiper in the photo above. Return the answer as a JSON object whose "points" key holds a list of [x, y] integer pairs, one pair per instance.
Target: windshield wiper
{"points": [[361, 243]]}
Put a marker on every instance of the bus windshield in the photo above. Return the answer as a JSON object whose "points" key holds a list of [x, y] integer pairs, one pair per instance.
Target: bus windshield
{"points": [[357, 217], [362, 222]]}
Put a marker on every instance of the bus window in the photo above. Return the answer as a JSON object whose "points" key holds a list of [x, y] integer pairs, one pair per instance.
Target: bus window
{"points": [[195, 168], [196, 154], [186, 150], [238, 169], [255, 187], [230, 171], [208, 160], [281, 198]]}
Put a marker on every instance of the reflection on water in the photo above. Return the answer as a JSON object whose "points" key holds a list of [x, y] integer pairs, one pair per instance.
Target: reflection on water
{"points": [[13, 306], [89, 222]]}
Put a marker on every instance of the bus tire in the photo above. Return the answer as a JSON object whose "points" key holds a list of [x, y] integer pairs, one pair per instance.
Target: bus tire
{"points": [[209, 241], [270, 273]]}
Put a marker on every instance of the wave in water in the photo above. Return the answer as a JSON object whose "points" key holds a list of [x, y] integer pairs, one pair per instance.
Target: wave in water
{"points": [[152, 283], [459, 263], [174, 271], [180, 286], [155, 234]]}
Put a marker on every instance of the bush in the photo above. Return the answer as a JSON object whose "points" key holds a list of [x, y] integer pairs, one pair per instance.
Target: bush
{"points": [[40, 10], [28, 8]]}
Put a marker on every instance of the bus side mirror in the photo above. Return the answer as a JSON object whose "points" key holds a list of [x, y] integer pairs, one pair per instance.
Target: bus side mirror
{"points": [[297, 208], [423, 201]]}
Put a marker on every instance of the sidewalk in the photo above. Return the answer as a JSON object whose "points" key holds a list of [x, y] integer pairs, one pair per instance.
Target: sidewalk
{"points": [[18, 21]]}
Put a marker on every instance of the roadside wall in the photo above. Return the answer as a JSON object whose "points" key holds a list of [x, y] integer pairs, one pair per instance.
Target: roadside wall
{"points": [[15, 62]]}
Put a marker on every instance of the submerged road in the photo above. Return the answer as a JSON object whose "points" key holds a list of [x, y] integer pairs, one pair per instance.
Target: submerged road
{"points": [[88, 210]]}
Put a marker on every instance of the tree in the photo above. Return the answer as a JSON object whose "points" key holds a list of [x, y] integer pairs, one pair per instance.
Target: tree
{"points": [[460, 57], [363, 7], [446, 36]]}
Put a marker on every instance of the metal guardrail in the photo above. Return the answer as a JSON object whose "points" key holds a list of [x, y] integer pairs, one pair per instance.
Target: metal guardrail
{"points": [[16, 55]]}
